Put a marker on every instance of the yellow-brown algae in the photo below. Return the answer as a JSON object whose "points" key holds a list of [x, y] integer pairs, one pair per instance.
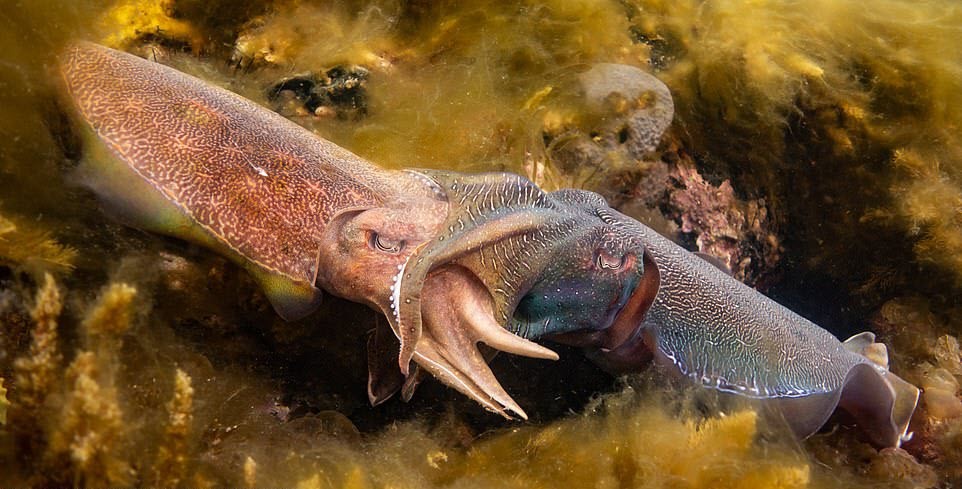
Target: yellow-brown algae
{"points": [[91, 432], [36, 373], [171, 467], [4, 403]]}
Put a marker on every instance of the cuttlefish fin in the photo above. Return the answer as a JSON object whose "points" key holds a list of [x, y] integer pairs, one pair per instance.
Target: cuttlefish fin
{"points": [[804, 415], [878, 396], [291, 299], [864, 344], [882, 403], [858, 342], [384, 378]]}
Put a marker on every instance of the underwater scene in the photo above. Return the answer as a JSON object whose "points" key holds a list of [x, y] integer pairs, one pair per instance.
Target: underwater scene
{"points": [[810, 150]]}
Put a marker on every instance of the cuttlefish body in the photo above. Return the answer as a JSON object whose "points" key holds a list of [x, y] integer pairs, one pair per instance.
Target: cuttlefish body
{"points": [[705, 325], [452, 260], [174, 155]]}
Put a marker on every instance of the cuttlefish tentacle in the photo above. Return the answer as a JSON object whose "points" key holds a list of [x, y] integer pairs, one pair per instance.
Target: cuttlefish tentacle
{"points": [[456, 324], [503, 238], [502, 234], [408, 302], [384, 378]]}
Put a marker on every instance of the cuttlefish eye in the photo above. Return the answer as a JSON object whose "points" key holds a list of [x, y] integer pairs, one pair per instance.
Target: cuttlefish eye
{"points": [[605, 260], [384, 244]]}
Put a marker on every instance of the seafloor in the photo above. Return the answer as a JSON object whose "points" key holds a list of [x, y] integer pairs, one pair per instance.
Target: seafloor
{"points": [[816, 148]]}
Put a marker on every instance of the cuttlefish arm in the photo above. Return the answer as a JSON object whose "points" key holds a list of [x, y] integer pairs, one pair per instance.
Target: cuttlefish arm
{"points": [[509, 249], [486, 211], [460, 289], [723, 335]]}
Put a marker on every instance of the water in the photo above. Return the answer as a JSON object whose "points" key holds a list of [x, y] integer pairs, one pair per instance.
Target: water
{"points": [[836, 119]]}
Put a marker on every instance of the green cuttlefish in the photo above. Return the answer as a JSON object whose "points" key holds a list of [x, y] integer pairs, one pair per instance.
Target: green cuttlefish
{"points": [[452, 259]]}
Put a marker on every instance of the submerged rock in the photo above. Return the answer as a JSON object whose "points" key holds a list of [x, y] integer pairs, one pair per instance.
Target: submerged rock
{"points": [[637, 107], [604, 123], [340, 92]]}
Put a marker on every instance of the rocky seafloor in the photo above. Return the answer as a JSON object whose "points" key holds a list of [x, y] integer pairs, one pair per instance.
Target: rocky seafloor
{"points": [[815, 148]]}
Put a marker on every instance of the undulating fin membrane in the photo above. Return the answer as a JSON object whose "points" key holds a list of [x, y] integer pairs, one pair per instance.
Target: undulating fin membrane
{"points": [[880, 401], [864, 344], [881, 398], [805, 415], [292, 299]]}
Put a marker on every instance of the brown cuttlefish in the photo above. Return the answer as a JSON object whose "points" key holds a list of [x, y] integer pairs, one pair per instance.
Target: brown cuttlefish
{"points": [[453, 260]]}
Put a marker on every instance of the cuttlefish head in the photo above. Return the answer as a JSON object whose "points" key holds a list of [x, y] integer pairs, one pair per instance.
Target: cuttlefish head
{"points": [[512, 263], [363, 249], [597, 288]]}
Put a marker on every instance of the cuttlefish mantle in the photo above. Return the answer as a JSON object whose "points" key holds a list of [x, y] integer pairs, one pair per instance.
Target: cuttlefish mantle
{"points": [[723, 335]]}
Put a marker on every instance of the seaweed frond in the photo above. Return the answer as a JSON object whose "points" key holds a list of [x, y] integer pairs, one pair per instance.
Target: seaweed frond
{"points": [[35, 374], [35, 250], [105, 324], [170, 470], [250, 472], [3, 403], [90, 432], [91, 429]]}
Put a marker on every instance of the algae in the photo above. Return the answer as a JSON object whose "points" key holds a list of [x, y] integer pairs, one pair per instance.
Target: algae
{"points": [[817, 141], [4, 403], [149, 19], [170, 468], [33, 249], [36, 372], [219, 436], [837, 113]]}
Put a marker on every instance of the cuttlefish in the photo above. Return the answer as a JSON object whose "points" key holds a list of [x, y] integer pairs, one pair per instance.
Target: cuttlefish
{"points": [[451, 259]]}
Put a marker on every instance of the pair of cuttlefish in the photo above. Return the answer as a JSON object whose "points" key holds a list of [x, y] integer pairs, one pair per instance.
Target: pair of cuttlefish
{"points": [[452, 259]]}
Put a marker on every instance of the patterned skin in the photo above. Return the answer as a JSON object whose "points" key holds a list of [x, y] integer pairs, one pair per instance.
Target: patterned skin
{"points": [[174, 155], [451, 259], [705, 325], [263, 193], [504, 240]]}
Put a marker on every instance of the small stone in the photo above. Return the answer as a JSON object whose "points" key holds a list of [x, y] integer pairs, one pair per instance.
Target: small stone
{"points": [[942, 404]]}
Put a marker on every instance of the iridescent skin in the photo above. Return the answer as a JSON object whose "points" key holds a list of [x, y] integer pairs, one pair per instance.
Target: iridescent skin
{"points": [[507, 236], [721, 334], [451, 259]]}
